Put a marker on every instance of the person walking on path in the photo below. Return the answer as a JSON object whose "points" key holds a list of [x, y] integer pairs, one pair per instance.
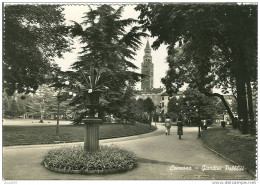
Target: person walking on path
{"points": [[179, 129], [204, 124], [168, 125]]}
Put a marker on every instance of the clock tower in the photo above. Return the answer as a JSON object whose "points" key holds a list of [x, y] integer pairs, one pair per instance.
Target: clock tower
{"points": [[147, 68]]}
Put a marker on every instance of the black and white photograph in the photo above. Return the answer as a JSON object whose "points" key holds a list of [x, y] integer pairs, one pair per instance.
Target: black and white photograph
{"points": [[156, 92]]}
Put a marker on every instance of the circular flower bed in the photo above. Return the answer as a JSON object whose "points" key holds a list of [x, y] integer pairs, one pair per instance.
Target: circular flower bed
{"points": [[109, 159]]}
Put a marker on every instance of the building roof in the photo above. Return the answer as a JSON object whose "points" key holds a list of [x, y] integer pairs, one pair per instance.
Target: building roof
{"points": [[165, 94], [152, 91]]}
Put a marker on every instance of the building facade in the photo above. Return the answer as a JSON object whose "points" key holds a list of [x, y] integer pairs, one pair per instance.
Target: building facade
{"points": [[165, 98], [154, 94]]}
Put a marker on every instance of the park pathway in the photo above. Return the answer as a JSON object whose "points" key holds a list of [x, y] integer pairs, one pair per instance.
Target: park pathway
{"points": [[160, 157]]}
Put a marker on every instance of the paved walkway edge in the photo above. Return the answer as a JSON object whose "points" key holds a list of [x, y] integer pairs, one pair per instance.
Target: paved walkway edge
{"points": [[230, 160]]}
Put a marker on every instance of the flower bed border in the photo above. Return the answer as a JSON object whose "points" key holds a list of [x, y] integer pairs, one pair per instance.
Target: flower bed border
{"points": [[88, 172]]}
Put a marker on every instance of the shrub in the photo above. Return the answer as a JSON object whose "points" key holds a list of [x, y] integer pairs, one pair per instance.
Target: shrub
{"points": [[109, 159]]}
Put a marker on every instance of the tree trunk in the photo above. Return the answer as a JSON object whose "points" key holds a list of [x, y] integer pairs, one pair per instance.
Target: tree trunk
{"points": [[150, 120], [239, 70], [242, 104], [250, 108], [58, 119], [250, 101], [223, 101]]}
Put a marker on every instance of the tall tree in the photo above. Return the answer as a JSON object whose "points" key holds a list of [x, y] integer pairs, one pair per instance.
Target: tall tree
{"points": [[149, 107], [194, 105], [175, 107], [109, 47], [33, 36], [44, 102], [13, 109], [218, 41], [13, 106], [5, 105]]}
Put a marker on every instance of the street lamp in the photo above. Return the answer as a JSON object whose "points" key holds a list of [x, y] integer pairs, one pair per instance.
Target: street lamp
{"points": [[198, 125], [157, 113], [42, 110], [177, 98], [224, 113], [41, 103], [59, 95]]}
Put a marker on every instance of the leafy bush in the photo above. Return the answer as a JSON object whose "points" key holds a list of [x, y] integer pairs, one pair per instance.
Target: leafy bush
{"points": [[109, 159]]}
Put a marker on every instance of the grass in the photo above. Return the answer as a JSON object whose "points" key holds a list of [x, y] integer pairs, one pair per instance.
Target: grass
{"points": [[109, 159], [29, 135], [236, 147]]}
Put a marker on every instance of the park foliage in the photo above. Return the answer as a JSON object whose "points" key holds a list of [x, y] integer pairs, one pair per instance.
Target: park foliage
{"points": [[108, 47], [195, 106], [209, 46], [33, 36], [105, 44]]}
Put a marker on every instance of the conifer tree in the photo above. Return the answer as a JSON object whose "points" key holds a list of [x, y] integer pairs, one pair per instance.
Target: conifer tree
{"points": [[109, 47]]}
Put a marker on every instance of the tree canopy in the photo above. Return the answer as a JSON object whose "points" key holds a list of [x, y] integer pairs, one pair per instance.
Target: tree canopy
{"points": [[209, 35], [194, 106], [218, 43], [109, 47], [33, 36], [148, 105]]}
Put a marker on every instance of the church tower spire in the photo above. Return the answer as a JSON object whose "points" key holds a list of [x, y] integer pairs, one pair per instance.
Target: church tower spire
{"points": [[147, 68], [147, 49]]}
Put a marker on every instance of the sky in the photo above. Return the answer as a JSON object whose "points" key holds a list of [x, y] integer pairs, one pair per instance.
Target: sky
{"points": [[76, 12]]}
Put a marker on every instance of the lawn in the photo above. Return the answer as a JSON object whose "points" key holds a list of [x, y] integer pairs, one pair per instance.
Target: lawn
{"points": [[28, 135], [236, 147]]}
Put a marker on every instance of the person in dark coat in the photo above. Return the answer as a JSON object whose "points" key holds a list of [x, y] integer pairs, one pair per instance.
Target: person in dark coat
{"points": [[179, 129], [235, 124], [223, 124]]}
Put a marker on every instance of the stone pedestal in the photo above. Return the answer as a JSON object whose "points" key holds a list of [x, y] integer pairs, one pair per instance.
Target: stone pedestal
{"points": [[91, 136]]}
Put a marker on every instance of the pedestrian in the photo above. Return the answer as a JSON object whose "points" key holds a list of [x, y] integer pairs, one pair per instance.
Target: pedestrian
{"points": [[201, 124], [235, 123], [113, 119], [179, 129], [204, 125], [223, 123], [167, 125]]}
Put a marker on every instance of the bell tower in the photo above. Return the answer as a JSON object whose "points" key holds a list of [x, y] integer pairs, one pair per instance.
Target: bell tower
{"points": [[147, 68]]}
